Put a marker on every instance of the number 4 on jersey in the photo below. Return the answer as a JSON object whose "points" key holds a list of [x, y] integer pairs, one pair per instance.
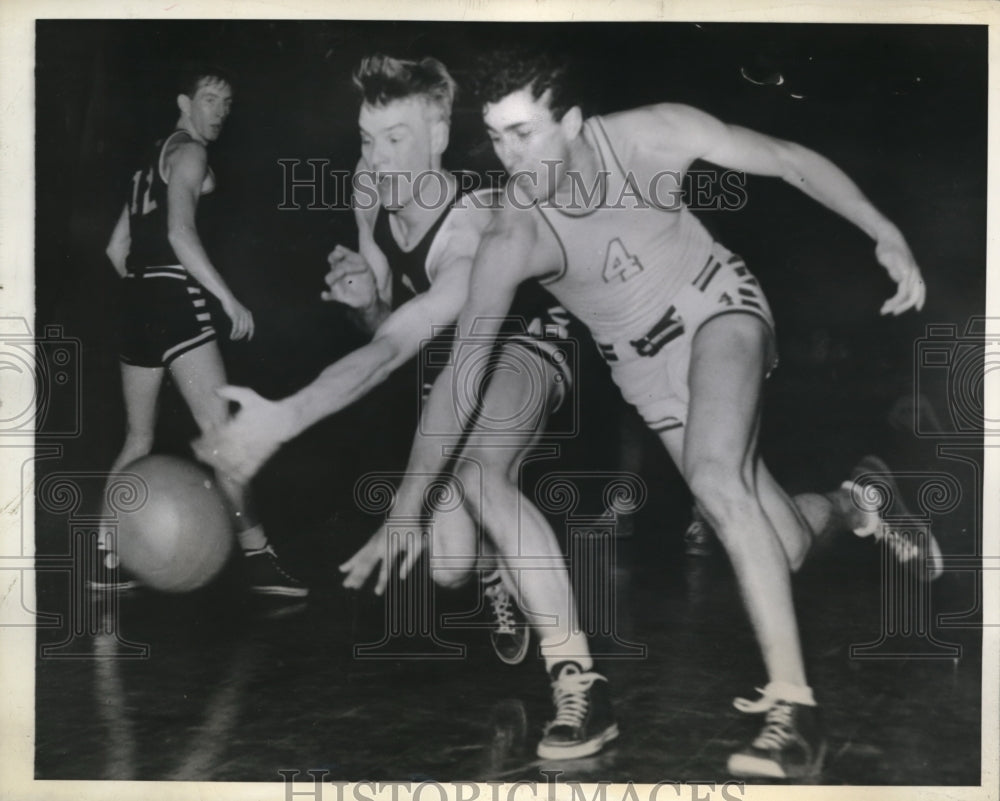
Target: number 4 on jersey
{"points": [[619, 263]]}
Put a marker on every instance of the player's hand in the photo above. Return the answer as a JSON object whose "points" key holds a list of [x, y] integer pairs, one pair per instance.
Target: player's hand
{"points": [[240, 447], [350, 280], [241, 318], [382, 551], [893, 253]]}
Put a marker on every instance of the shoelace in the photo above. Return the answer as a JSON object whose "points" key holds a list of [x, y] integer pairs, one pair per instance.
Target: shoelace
{"points": [[778, 727], [500, 601], [269, 551], [571, 701]]}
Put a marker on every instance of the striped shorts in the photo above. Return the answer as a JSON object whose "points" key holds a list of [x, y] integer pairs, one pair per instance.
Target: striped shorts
{"points": [[651, 370], [165, 316]]}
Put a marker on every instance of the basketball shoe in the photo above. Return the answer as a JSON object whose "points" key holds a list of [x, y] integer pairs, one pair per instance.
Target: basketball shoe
{"points": [[510, 634], [268, 577], [790, 745], [584, 720], [874, 492]]}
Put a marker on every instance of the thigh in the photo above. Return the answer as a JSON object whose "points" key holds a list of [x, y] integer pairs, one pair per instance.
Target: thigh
{"points": [[198, 373], [141, 390], [522, 390], [730, 357]]}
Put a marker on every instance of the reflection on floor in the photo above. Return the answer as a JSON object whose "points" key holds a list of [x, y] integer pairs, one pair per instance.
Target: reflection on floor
{"points": [[217, 686]]}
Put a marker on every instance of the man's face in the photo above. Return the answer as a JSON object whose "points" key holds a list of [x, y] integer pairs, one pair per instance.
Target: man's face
{"points": [[209, 107], [532, 146], [399, 143]]}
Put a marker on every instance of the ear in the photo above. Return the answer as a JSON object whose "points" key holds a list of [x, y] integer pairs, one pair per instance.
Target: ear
{"points": [[184, 104], [572, 122], [440, 134]]}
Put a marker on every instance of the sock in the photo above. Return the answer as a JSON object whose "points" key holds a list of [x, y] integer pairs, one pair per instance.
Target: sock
{"points": [[252, 539], [796, 693], [105, 541], [566, 648], [492, 577]]}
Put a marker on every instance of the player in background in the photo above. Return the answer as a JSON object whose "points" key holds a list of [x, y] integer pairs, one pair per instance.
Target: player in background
{"points": [[417, 237], [156, 249], [595, 212]]}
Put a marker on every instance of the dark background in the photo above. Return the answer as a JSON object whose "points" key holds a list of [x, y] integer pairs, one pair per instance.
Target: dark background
{"points": [[902, 109]]}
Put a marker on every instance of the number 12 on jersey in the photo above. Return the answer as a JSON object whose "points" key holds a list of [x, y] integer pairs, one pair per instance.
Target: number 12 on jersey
{"points": [[619, 263], [148, 204]]}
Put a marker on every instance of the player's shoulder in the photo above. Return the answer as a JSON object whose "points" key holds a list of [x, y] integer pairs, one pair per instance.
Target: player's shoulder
{"points": [[183, 150], [654, 123]]}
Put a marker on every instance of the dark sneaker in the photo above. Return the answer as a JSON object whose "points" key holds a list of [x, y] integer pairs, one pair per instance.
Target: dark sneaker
{"points": [[790, 746], [698, 539], [510, 634], [268, 577], [874, 491], [584, 720], [106, 574]]}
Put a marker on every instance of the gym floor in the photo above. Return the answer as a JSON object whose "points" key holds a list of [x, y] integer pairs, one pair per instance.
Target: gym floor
{"points": [[217, 685]]}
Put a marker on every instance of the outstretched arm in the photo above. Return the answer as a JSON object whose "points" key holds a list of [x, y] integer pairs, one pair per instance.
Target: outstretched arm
{"points": [[700, 135], [241, 446], [503, 261]]}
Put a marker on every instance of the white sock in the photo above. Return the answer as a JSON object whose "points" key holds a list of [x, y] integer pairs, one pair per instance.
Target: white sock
{"points": [[566, 648], [796, 693], [252, 539]]}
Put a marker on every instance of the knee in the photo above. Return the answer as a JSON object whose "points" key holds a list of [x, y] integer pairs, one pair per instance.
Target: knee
{"points": [[724, 493], [450, 576], [138, 443]]}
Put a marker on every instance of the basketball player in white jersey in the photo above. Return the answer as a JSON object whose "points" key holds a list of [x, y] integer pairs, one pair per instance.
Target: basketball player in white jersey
{"points": [[594, 211], [410, 276], [156, 249]]}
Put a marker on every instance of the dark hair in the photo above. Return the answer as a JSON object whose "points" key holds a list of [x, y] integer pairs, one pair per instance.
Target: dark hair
{"points": [[380, 79], [192, 78], [506, 70]]}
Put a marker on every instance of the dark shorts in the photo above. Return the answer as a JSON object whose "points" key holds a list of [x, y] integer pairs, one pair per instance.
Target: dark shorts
{"points": [[542, 338], [165, 315]]}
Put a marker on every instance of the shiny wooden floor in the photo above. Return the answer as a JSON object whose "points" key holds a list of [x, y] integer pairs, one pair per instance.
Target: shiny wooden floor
{"points": [[217, 686]]}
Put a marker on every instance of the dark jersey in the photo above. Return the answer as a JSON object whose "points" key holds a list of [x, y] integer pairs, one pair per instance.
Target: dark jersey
{"points": [[409, 267], [410, 277], [147, 211]]}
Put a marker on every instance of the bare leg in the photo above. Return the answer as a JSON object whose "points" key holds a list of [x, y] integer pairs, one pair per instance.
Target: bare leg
{"points": [[198, 374], [718, 458], [519, 531], [141, 389]]}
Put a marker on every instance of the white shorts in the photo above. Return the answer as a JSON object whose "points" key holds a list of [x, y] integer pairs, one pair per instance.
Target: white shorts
{"points": [[652, 369]]}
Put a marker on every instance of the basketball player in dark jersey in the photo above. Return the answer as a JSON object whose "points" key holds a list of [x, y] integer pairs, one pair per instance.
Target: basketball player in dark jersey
{"points": [[167, 325], [594, 211], [418, 237]]}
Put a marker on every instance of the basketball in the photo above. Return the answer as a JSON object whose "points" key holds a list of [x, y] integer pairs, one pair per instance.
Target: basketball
{"points": [[179, 535]]}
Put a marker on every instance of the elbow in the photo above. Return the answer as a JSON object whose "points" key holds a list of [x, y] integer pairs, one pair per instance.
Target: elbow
{"points": [[178, 235], [791, 159]]}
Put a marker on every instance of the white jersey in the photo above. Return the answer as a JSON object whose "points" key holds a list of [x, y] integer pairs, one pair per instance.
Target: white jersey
{"points": [[625, 257]]}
